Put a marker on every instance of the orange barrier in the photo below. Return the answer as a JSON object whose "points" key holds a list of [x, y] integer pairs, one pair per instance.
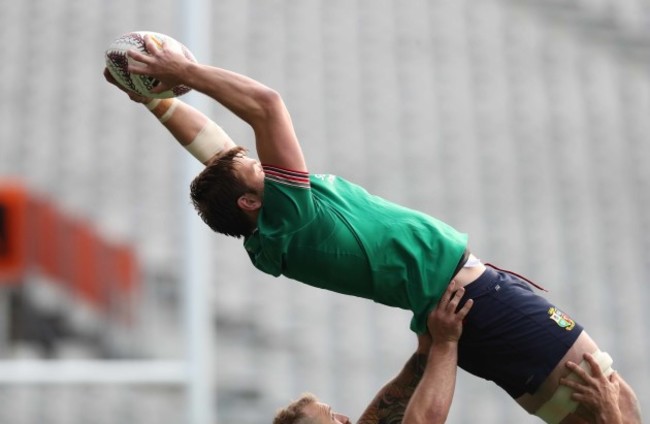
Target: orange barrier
{"points": [[84, 266], [37, 236], [13, 232], [45, 251]]}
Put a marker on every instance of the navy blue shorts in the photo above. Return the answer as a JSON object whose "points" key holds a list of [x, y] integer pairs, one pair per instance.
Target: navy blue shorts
{"points": [[511, 335]]}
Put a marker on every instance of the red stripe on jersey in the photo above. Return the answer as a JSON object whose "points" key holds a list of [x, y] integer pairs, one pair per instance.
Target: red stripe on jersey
{"points": [[282, 175]]}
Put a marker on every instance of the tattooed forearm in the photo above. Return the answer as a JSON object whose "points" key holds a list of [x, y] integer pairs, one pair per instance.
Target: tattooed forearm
{"points": [[390, 403]]}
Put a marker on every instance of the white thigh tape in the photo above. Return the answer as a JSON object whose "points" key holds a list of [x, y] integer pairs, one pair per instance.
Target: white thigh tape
{"points": [[208, 142], [560, 404]]}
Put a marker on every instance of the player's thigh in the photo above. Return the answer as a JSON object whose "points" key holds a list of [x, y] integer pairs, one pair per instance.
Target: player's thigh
{"points": [[532, 402], [629, 403]]}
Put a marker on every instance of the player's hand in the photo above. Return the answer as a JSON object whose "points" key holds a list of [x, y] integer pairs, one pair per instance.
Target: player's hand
{"points": [[445, 323], [165, 62], [133, 96], [596, 392]]}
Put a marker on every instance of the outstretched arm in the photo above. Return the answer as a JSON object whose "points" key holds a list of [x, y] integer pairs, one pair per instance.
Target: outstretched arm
{"points": [[390, 402], [432, 399], [422, 391], [202, 137], [258, 105]]}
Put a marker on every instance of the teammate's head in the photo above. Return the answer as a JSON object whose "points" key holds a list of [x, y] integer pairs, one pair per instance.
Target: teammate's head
{"points": [[228, 191], [309, 410]]}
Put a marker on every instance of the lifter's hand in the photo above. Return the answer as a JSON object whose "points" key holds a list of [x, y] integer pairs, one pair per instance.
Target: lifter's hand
{"points": [[445, 324], [133, 96], [165, 62], [596, 392]]}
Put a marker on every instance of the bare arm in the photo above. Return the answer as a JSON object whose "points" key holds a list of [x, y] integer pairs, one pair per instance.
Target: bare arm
{"points": [[190, 127], [258, 105], [432, 399], [390, 402], [596, 393], [422, 391]]}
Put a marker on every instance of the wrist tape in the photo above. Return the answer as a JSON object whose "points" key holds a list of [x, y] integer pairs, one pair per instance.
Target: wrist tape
{"points": [[208, 142]]}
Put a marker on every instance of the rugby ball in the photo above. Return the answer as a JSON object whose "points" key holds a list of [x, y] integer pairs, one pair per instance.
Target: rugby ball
{"points": [[117, 62]]}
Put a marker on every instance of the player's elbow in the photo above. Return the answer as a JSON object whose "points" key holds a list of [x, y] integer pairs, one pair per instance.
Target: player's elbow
{"points": [[269, 103]]}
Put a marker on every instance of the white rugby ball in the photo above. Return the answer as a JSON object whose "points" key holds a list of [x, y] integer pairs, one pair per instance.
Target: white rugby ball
{"points": [[117, 63]]}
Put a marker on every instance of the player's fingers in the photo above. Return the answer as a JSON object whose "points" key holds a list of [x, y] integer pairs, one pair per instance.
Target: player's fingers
{"points": [[462, 313], [572, 384], [138, 98], [109, 76], [596, 372], [153, 44], [140, 61], [455, 299], [138, 56], [161, 87], [615, 380], [579, 397], [444, 300], [578, 371]]}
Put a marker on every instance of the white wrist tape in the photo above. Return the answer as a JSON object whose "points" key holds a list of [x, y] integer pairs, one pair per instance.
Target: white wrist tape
{"points": [[169, 112], [208, 142], [153, 103]]}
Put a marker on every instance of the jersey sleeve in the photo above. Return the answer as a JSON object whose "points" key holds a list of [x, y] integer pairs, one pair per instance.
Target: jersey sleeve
{"points": [[288, 204]]}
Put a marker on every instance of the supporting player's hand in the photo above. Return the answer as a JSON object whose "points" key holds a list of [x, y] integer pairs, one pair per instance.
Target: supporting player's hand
{"points": [[445, 323], [165, 62], [597, 393], [133, 96]]}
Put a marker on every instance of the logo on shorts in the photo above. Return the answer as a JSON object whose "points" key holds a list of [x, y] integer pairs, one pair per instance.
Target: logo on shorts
{"points": [[562, 319]]}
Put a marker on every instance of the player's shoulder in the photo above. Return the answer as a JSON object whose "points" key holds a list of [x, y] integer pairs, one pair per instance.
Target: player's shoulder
{"points": [[286, 177]]}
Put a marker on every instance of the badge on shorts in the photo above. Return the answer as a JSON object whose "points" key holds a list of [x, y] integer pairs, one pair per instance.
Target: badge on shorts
{"points": [[562, 319]]}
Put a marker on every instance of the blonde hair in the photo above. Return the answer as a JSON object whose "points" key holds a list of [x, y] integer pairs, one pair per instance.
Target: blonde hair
{"points": [[294, 412]]}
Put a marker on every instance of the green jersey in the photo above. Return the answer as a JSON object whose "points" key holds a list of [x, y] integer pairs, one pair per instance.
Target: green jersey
{"points": [[329, 233]]}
